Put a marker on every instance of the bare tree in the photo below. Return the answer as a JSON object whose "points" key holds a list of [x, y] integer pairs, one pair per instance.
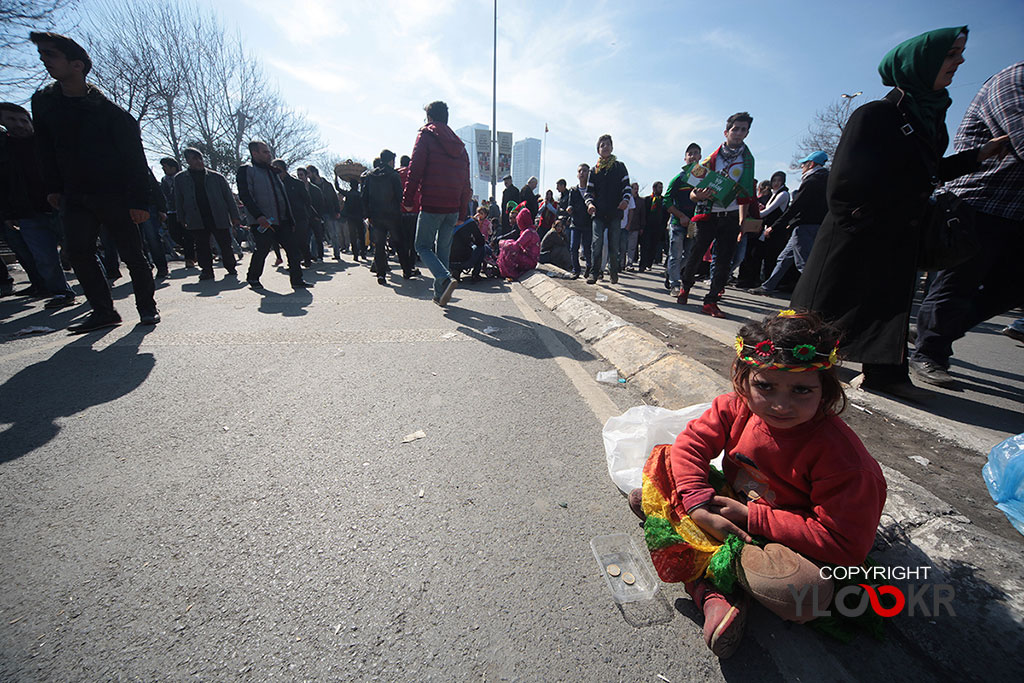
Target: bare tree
{"points": [[292, 137], [18, 64], [826, 129], [191, 82]]}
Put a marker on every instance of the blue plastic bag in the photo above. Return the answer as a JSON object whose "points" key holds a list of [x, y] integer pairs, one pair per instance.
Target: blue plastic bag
{"points": [[1004, 476]]}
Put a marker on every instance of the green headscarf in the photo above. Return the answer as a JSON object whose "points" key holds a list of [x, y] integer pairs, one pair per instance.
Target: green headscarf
{"points": [[913, 66]]}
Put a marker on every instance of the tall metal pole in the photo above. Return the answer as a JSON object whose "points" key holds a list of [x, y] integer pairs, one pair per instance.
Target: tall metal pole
{"points": [[494, 109]]}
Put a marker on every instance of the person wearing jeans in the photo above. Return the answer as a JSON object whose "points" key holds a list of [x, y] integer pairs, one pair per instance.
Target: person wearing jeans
{"points": [[719, 216], [439, 173], [805, 213], [680, 208], [42, 235], [93, 179], [582, 225], [608, 194]]}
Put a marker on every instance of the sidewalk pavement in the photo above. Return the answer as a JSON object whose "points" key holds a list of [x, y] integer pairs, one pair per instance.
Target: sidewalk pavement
{"points": [[918, 528]]}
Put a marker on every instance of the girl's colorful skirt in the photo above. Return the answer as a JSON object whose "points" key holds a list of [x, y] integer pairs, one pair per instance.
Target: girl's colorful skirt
{"points": [[681, 550]]}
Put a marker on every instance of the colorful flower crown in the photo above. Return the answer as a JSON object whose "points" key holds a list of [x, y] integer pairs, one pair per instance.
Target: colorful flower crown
{"points": [[766, 355]]}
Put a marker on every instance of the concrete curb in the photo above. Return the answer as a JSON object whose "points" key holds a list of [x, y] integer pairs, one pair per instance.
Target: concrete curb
{"points": [[665, 376], [917, 528]]}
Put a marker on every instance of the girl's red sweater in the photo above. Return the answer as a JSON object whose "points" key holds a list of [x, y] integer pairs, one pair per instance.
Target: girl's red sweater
{"points": [[813, 488]]}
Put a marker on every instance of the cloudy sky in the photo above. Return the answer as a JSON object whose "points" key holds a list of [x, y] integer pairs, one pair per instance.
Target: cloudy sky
{"points": [[655, 75]]}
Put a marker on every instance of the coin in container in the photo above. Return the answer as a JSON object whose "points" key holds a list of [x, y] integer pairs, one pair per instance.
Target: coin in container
{"points": [[628, 578], [613, 570]]}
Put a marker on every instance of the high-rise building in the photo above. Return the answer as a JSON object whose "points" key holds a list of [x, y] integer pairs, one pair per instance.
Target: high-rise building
{"points": [[525, 160], [481, 188]]}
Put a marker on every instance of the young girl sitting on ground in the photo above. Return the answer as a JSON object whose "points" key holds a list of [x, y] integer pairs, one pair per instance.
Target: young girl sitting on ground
{"points": [[795, 475]]}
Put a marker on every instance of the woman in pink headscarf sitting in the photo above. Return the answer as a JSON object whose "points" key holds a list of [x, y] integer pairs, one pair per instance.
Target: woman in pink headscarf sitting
{"points": [[520, 255]]}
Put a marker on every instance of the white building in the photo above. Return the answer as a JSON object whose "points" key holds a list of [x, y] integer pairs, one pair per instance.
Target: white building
{"points": [[525, 160], [481, 188]]}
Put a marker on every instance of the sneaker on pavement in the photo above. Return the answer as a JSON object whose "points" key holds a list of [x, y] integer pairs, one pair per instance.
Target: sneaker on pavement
{"points": [[615, 278], [713, 310], [95, 321], [1013, 333], [446, 295], [682, 296], [931, 372], [149, 318], [760, 291], [255, 284], [206, 275], [60, 301], [382, 280], [674, 292], [592, 280]]}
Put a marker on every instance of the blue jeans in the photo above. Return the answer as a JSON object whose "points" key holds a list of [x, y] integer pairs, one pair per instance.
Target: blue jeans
{"points": [[678, 247], [151, 239], [603, 224], [577, 239], [42, 236], [434, 244], [795, 253], [16, 241]]}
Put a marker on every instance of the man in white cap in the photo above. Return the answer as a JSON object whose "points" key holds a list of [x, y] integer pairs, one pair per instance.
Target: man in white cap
{"points": [[805, 213]]}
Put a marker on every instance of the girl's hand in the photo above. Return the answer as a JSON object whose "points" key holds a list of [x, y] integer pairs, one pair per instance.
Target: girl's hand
{"points": [[731, 509], [996, 147], [716, 525]]}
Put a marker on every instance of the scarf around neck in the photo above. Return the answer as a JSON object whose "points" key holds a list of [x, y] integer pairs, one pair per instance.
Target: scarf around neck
{"points": [[912, 66], [603, 164]]}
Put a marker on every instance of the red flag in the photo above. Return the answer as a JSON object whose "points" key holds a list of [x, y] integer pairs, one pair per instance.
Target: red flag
{"points": [[545, 128]]}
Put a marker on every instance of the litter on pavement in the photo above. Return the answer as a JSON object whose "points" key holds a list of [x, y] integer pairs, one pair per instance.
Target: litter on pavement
{"points": [[418, 434]]}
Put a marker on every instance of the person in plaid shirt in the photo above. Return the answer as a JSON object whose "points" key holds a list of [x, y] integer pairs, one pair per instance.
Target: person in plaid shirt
{"points": [[988, 284]]}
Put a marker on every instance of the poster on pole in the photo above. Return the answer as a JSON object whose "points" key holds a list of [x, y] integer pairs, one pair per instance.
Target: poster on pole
{"points": [[483, 153], [504, 154]]}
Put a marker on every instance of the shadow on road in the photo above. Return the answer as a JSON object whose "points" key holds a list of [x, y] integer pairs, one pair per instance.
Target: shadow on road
{"points": [[511, 333], [289, 305], [70, 381]]}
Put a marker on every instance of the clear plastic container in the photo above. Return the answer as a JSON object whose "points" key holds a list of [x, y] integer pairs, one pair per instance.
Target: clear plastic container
{"points": [[624, 552]]}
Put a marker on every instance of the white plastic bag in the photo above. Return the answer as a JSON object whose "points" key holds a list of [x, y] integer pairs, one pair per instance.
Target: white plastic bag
{"points": [[630, 437]]}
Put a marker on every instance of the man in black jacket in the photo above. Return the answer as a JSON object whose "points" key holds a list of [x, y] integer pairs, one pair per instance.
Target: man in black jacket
{"points": [[382, 199], [581, 234], [23, 203], [607, 196], [529, 195], [302, 211], [265, 198], [318, 221], [805, 213], [330, 216], [509, 194], [96, 172]]}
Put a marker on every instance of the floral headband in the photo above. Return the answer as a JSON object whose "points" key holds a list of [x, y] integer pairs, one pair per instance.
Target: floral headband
{"points": [[765, 355]]}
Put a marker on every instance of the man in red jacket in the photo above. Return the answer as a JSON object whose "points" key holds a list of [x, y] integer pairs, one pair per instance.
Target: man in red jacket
{"points": [[439, 172]]}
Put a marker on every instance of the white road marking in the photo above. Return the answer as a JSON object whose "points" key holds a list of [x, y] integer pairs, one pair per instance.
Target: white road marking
{"points": [[592, 394]]}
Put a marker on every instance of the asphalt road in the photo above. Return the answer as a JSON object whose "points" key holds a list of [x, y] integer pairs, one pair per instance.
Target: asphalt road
{"points": [[228, 496]]}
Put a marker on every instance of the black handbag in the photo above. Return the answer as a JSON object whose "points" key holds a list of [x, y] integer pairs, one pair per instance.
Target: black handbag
{"points": [[947, 233], [947, 227]]}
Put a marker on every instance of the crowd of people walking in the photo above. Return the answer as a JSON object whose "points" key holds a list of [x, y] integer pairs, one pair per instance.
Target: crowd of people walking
{"points": [[66, 190]]}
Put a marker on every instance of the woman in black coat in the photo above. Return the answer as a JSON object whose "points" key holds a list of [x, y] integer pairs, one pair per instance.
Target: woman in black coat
{"points": [[862, 271]]}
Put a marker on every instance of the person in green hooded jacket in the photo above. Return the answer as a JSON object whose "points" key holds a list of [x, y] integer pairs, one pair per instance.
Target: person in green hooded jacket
{"points": [[862, 272]]}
